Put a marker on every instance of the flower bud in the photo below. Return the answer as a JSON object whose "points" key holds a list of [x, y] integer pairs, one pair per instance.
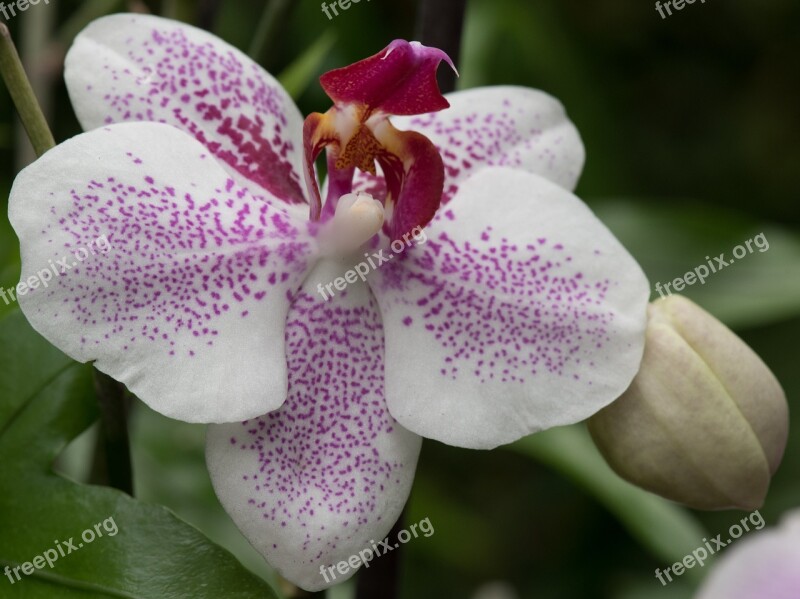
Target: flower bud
{"points": [[704, 422]]}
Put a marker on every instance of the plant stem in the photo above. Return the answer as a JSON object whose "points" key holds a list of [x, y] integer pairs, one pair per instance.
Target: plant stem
{"points": [[292, 592], [112, 458], [440, 24], [273, 19], [138, 6], [180, 10], [22, 95], [34, 32], [381, 579], [207, 11]]}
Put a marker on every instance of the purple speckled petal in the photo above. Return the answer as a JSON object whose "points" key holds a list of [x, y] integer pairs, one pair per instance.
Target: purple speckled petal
{"points": [[186, 299], [521, 312], [328, 474], [507, 126], [761, 565], [142, 68]]}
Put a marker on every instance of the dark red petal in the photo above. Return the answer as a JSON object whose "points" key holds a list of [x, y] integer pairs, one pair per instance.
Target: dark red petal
{"points": [[414, 175], [317, 133], [399, 80], [340, 182]]}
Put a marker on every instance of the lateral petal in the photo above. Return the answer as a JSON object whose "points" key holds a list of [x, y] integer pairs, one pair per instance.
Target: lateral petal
{"points": [[186, 300], [521, 312]]}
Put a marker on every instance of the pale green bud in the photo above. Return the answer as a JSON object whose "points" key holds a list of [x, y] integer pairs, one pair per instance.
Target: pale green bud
{"points": [[704, 422]]}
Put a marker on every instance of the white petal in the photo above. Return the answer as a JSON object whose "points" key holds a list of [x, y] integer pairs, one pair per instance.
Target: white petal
{"points": [[520, 313], [128, 67], [510, 126], [762, 565], [187, 305], [327, 475]]}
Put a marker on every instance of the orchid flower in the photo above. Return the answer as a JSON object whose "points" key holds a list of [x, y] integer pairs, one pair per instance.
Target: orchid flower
{"points": [[765, 565], [520, 312]]}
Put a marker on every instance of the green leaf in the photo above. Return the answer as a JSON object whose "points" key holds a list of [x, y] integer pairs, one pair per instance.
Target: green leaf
{"points": [[29, 362], [670, 240], [301, 73], [667, 530], [46, 400]]}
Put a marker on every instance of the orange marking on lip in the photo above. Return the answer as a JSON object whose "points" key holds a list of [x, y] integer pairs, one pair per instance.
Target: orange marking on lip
{"points": [[361, 151]]}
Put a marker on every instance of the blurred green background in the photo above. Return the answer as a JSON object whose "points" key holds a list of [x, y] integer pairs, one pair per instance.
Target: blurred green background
{"points": [[691, 126]]}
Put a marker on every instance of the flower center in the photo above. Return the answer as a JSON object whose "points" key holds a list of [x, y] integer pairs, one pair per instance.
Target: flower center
{"points": [[358, 218]]}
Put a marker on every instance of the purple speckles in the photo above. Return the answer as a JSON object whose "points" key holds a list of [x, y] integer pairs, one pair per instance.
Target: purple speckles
{"points": [[323, 453], [177, 260], [500, 139], [501, 311], [211, 91]]}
